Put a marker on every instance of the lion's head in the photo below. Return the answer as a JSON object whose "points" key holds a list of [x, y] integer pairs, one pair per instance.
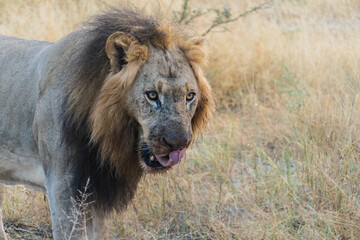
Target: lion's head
{"points": [[140, 92], [158, 86]]}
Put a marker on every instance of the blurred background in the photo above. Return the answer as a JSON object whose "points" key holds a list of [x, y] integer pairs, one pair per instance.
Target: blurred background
{"points": [[281, 159]]}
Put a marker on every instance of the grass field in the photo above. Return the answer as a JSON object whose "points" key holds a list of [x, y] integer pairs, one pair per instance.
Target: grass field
{"points": [[282, 158]]}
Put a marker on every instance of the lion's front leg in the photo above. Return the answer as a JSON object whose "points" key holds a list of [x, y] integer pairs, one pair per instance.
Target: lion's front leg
{"points": [[67, 214], [96, 225], [2, 232]]}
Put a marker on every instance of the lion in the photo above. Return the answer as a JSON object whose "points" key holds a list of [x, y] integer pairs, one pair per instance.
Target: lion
{"points": [[120, 97]]}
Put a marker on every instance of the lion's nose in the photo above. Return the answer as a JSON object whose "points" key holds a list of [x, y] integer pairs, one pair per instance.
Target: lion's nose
{"points": [[177, 141]]}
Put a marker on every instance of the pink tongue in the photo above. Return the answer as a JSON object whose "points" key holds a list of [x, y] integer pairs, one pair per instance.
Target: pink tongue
{"points": [[174, 158]]}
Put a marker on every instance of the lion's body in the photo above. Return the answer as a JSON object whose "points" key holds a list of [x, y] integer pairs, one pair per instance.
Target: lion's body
{"points": [[74, 113], [32, 94]]}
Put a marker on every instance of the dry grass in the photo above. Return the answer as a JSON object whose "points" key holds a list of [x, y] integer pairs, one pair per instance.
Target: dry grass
{"points": [[282, 160]]}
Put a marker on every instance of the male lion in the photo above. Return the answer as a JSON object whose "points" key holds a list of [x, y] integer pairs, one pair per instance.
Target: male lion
{"points": [[120, 97]]}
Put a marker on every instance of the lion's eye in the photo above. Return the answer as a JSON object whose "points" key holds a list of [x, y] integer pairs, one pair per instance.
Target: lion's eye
{"points": [[152, 95], [190, 96]]}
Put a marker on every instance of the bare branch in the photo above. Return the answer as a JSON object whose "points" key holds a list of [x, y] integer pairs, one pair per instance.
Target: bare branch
{"points": [[254, 9]]}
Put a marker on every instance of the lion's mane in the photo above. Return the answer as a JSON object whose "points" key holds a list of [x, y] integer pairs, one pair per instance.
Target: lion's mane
{"points": [[100, 135]]}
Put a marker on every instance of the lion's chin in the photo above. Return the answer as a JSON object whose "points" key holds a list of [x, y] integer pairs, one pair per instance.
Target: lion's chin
{"points": [[152, 170]]}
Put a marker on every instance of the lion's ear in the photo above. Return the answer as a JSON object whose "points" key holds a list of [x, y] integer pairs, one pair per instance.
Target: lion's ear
{"points": [[122, 48], [195, 50]]}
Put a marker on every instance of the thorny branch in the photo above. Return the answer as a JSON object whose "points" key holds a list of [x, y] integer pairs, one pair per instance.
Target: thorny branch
{"points": [[252, 10]]}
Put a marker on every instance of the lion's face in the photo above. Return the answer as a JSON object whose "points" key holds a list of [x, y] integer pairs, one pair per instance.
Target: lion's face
{"points": [[163, 99]]}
